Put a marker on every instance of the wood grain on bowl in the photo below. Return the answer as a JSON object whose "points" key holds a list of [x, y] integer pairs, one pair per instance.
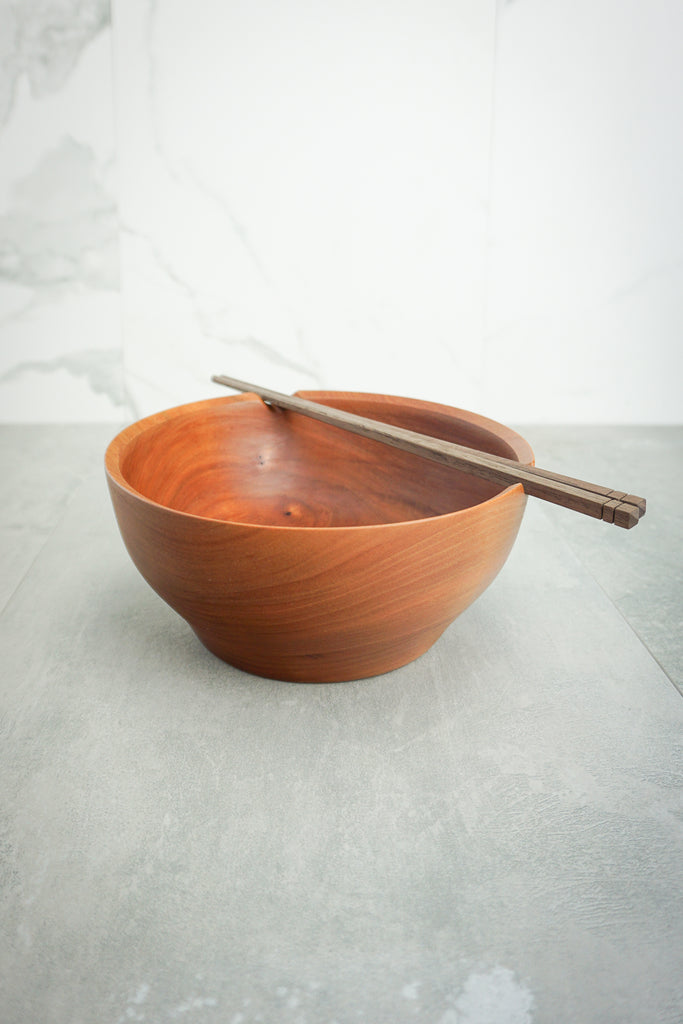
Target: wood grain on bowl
{"points": [[301, 552], [596, 500]]}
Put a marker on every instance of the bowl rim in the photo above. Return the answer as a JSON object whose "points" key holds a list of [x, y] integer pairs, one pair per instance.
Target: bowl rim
{"points": [[119, 443]]}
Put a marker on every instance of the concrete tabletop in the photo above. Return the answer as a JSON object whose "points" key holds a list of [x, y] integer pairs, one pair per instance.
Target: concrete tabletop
{"points": [[491, 835]]}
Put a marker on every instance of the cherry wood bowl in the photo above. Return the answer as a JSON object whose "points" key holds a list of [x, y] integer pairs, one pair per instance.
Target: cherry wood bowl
{"points": [[298, 551]]}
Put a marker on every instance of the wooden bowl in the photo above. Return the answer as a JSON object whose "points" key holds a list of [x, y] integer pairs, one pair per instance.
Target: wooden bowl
{"points": [[299, 551]]}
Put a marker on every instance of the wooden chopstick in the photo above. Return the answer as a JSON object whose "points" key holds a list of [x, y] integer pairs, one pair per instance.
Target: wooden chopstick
{"points": [[600, 502]]}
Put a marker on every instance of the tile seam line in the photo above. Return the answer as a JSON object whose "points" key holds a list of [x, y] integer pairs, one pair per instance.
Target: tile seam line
{"points": [[48, 538], [488, 240], [643, 643], [630, 625], [578, 557]]}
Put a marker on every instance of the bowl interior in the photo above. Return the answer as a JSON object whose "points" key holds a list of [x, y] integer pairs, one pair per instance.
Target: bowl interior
{"points": [[243, 461]]}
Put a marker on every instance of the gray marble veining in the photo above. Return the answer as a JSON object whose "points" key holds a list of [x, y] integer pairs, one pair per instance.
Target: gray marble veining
{"points": [[213, 319], [101, 369], [433, 204], [59, 239], [62, 225], [491, 835], [43, 40], [61, 346]]}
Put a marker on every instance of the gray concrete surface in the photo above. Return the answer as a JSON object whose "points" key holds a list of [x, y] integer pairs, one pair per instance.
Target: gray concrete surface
{"points": [[643, 577], [492, 835]]}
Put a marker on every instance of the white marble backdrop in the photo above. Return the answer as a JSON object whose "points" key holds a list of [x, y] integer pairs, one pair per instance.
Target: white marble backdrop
{"points": [[585, 289], [60, 319], [468, 202], [303, 194]]}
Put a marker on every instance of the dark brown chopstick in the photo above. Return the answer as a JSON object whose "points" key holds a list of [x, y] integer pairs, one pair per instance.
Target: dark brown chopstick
{"points": [[612, 506]]}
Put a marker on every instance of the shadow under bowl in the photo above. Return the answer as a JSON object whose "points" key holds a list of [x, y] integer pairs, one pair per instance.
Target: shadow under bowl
{"points": [[298, 551]]}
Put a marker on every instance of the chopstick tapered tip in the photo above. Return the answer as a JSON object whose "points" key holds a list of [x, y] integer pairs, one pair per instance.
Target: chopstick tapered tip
{"points": [[627, 516], [640, 503]]}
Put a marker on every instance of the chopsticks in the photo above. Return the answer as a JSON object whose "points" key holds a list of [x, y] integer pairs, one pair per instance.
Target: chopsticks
{"points": [[612, 506]]}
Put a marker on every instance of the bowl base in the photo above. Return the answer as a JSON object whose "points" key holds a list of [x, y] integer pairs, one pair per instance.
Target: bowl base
{"points": [[328, 667]]}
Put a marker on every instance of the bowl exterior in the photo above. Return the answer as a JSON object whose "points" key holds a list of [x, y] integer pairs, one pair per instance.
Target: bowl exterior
{"points": [[319, 605]]}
